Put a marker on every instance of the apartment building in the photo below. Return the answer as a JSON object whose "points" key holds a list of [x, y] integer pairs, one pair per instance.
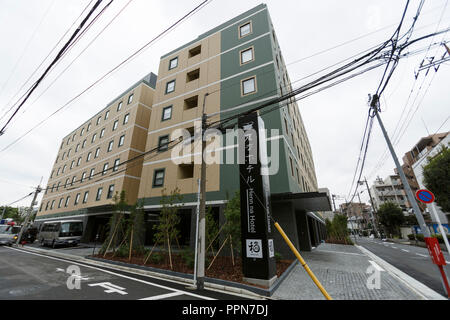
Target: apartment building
{"points": [[91, 163], [390, 190], [232, 68], [427, 148]]}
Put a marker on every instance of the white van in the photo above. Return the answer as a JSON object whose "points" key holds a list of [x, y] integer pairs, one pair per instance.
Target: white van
{"points": [[56, 233]]}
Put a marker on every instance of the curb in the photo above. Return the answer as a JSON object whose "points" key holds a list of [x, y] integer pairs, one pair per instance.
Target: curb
{"points": [[419, 288], [180, 278]]}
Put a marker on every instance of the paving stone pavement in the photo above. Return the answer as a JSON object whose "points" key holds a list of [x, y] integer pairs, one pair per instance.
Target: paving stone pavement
{"points": [[342, 271]]}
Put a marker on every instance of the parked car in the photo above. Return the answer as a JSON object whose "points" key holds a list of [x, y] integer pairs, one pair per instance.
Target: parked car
{"points": [[8, 234], [58, 233]]}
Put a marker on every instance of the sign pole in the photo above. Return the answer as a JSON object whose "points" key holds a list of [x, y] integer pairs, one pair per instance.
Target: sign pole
{"points": [[441, 228]]}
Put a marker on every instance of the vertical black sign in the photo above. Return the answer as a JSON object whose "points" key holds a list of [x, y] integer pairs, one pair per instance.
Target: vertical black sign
{"points": [[258, 254]]}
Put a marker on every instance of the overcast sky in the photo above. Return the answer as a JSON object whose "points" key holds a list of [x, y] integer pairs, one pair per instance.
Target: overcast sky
{"points": [[334, 118]]}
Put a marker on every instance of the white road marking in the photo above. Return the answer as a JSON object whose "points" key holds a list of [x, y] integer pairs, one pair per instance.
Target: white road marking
{"points": [[116, 274], [60, 270], [394, 247], [422, 255], [405, 250], [163, 296], [110, 288], [375, 265]]}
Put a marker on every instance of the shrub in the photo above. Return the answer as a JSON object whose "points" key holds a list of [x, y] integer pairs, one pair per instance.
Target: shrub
{"points": [[188, 257], [156, 258], [411, 237], [123, 251], [278, 257]]}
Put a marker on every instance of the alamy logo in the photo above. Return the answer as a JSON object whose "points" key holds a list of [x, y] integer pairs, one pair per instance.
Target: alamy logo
{"points": [[74, 281], [374, 279]]}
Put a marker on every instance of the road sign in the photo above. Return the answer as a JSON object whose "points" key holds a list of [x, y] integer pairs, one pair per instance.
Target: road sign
{"points": [[425, 196]]}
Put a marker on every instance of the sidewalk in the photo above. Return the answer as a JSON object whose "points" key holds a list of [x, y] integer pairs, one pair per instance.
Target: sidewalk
{"points": [[342, 271]]}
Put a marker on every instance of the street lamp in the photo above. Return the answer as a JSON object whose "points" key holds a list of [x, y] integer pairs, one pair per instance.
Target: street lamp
{"points": [[362, 182]]}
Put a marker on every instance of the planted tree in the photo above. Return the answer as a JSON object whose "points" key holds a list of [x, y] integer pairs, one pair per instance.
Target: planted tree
{"points": [[167, 231], [232, 226], [437, 178], [116, 225], [337, 231], [391, 217]]}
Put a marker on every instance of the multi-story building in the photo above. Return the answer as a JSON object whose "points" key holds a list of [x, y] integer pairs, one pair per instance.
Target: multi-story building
{"points": [[425, 151], [91, 163], [230, 69], [415, 154], [390, 190]]}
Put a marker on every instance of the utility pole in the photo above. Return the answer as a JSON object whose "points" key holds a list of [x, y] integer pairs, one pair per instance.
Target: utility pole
{"points": [[372, 216], [334, 203], [38, 190], [202, 212], [375, 105]]}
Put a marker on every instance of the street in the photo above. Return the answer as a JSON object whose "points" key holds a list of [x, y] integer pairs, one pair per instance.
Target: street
{"points": [[414, 261], [32, 276]]}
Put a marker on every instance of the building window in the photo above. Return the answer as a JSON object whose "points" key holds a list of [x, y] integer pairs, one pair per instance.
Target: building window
{"points": [[105, 169], [57, 186], [77, 148], [102, 133], [88, 127], [98, 120], [82, 132], [195, 51], [110, 192], [85, 197], [99, 194], [130, 98], [97, 152], [51, 176], [83, 177], [126, 118], [167, 113], [79, 162], [67, 183], [158, 178], [73, 180], [94, 137], [110, 146], [170, 86], [64, 154], [57, 172], [119, 106], [68, 153], [173, 63], [53, 204], [193, 75], [245, 29], [247, 56], [77, 199], [116, 123], [191, 103], [67, 202], [84, 144], [116, 165], [121, 140], [89, 157], [46, 207], [292, 166], [53, 187], [60, 202], [248, 86], [107, 115], [163, 143], [72, 164], [91, 175], [64, 169]]}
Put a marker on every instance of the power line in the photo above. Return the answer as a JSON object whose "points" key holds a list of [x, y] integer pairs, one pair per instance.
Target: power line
{"points": [[8, 205], [58, 57], [42, 62], [134, 55]]}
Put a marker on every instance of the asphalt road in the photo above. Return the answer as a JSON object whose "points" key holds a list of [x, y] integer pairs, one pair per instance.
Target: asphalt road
{"points": [[30, 276], [414, 261]]}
